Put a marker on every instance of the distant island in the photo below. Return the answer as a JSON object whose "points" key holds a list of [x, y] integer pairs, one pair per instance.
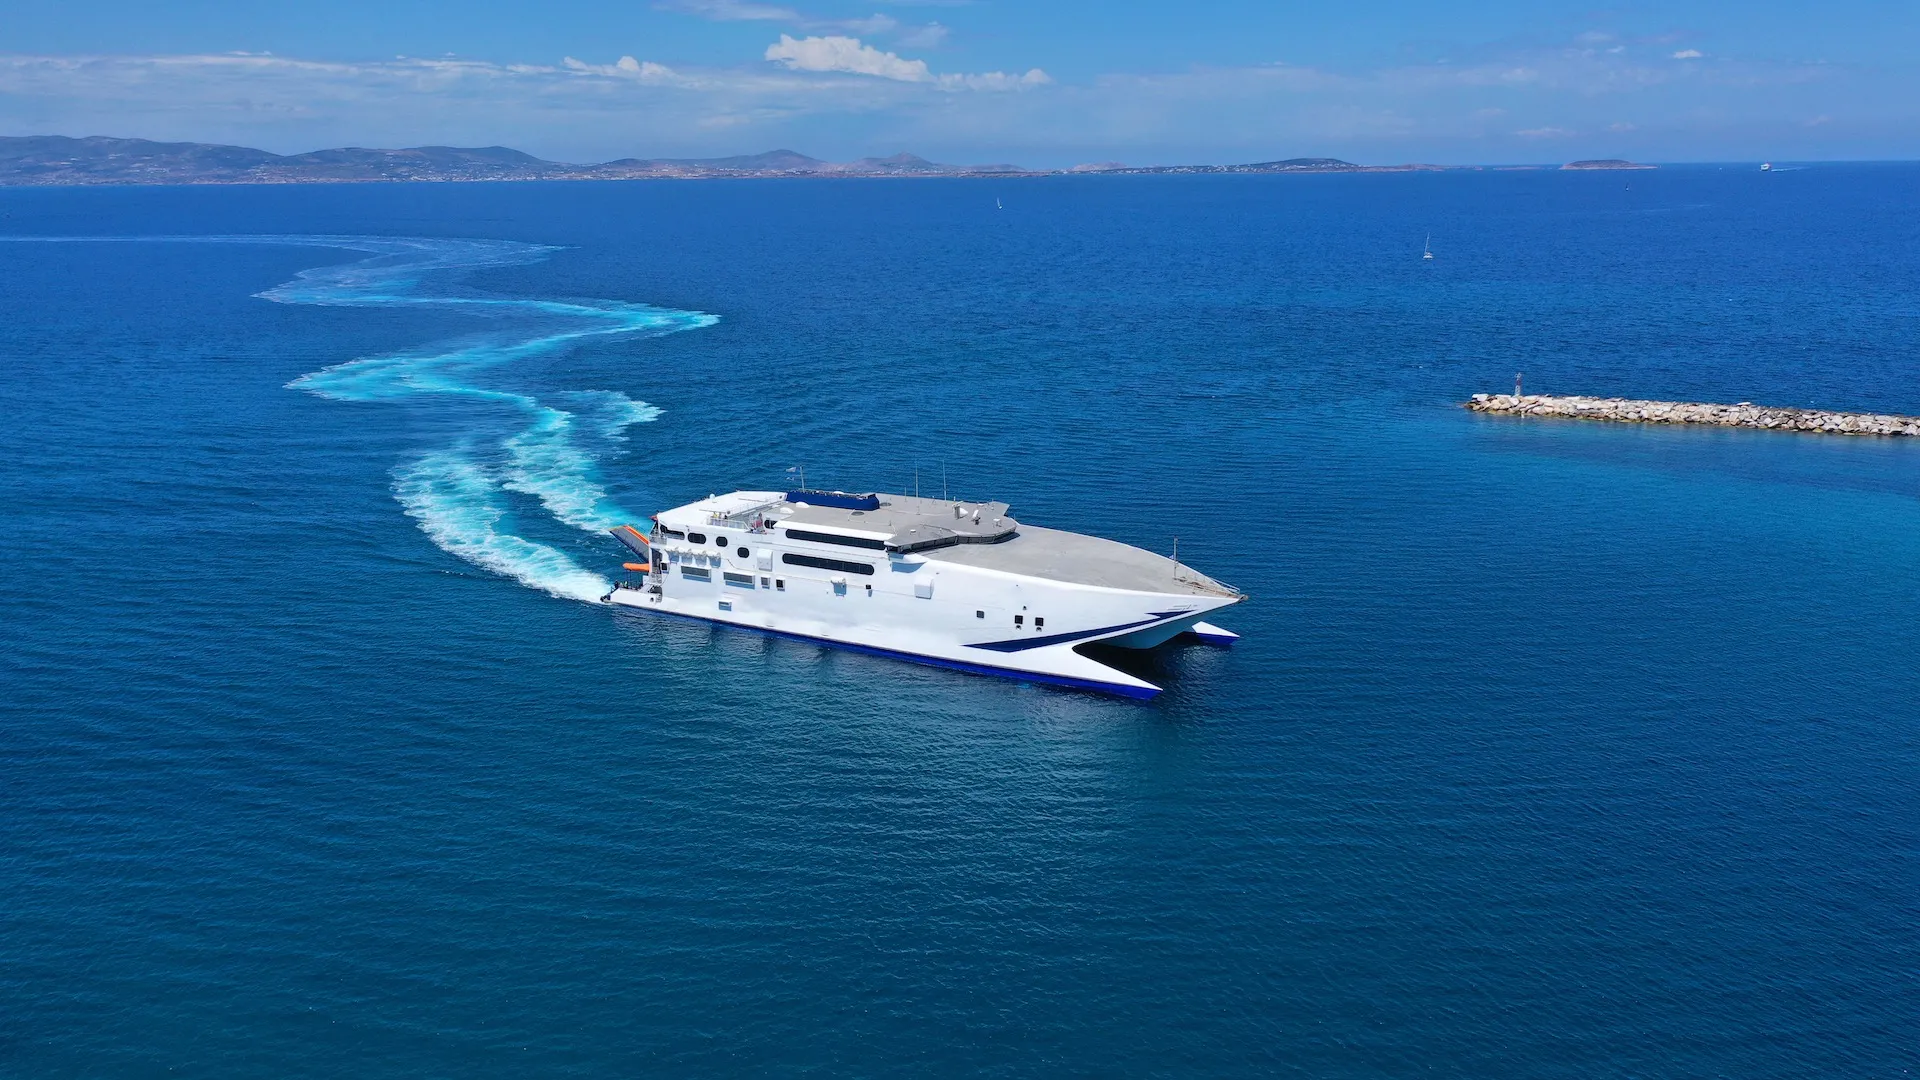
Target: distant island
{"points": [[1605, 163], [57, 160], [1290, 165]]}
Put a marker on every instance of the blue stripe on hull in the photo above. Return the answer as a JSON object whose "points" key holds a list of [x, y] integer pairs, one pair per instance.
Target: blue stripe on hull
{"points": [[1137, 693]]}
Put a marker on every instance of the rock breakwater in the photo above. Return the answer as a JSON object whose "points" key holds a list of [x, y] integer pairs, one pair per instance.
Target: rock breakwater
{"points": [[1745, 414]]}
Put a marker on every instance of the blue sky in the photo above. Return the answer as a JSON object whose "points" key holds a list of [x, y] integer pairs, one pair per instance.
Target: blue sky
{"points": [[1036, 83]]}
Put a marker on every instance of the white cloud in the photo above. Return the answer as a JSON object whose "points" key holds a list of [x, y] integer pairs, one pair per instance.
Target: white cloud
{"points": [[1545, 133], [836, 53], [1688, 54], [930, 36], [876, 23], [625, 68], [731, 10], [844, 55]]}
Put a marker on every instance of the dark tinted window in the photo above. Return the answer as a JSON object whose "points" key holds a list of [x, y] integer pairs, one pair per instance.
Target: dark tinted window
{"points": [[720, 541], [664, 531], [744, 581], [832, 538], [698, 538], [827, 564], [698, 573], [743, 553]]}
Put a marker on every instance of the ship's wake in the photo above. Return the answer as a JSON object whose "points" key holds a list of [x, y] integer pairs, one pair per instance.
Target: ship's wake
{"points": [[497, 442], [458, 493]]}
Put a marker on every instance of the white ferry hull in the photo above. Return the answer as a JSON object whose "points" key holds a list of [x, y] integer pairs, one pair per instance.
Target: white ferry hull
{"points": [[1056, 664], [960, 610]]}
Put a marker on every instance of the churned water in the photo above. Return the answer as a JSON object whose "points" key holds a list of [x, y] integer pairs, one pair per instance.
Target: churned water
{"points": [[1550, 749]]}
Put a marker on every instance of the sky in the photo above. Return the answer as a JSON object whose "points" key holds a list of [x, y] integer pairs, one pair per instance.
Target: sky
{"points": [[1033, 83]]}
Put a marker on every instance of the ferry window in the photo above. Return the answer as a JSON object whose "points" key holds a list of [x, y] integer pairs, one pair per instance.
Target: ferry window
{"points": [[697, 573], [780, 584], [835, 538], [743, 553], [719, 541], [766, 583], [979, 614], [1038, 622], [744, 581], [696, 538], [869, 590], [1019, 620], [827, 564], [664, 531]]}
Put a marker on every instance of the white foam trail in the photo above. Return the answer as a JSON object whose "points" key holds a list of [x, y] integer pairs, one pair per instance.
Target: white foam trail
{"points": [[455, 503], [614, 412], [455, 499], [544, 462]]}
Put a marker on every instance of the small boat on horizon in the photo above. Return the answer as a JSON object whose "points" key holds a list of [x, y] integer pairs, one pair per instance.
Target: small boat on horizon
{"points": [[1428, 253]]}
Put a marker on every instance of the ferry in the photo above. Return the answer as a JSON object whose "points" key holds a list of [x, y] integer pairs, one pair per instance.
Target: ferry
{"points": [[947, 582]]}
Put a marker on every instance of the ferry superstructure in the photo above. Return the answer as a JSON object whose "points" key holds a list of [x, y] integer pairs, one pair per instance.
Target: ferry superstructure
{"points": [[947, 582]]}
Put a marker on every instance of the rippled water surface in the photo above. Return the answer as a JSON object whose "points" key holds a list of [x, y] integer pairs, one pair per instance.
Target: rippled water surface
{"points": [[1550, 749]]}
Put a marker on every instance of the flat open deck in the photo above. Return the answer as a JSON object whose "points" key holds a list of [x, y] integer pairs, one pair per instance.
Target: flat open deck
{"points": [[1083, 560], [976, 534]]}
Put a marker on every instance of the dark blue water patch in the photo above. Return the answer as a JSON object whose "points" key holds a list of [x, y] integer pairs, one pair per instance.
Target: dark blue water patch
{"points": [[1548, 749]]}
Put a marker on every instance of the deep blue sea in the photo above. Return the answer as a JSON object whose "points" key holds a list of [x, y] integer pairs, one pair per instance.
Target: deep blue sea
{"points": [[1550, 749]]}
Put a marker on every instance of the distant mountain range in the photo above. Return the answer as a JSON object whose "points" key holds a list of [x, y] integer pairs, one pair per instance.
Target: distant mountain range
{"points": [[59, 160], [56, 159]]}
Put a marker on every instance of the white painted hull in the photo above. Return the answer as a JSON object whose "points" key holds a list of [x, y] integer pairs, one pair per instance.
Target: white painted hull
{"points": [[1018, 607], [946, 628]]}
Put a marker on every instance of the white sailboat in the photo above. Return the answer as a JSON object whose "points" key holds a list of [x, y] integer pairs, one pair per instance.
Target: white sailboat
{"points": [[1428, 253]]}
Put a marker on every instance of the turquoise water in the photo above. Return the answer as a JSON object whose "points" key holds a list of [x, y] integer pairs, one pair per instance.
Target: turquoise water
{"points": [[1550, 749]]}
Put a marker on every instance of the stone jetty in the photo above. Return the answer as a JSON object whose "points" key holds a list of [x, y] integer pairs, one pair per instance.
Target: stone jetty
{"points": [[1745, 414]]}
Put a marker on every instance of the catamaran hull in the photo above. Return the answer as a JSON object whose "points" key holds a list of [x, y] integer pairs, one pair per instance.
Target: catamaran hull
{"points": [[1056, 664], [951, 584]]}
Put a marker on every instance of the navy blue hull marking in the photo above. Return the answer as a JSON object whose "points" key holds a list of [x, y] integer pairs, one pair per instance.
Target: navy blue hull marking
{"points": [[1023, 644]]}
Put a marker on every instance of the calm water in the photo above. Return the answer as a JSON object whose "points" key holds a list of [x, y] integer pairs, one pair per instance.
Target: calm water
{"points": [[1551, 750]]}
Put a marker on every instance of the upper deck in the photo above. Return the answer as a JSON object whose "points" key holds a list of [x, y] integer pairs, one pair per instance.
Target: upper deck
{"points": [[959, 532]]}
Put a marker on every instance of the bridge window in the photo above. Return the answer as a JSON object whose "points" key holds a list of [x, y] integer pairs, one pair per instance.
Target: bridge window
{"points": [[836, 538], [827, 564]]}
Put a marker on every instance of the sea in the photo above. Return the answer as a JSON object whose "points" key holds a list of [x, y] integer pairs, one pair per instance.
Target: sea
{"points": [[1549, 748]]}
